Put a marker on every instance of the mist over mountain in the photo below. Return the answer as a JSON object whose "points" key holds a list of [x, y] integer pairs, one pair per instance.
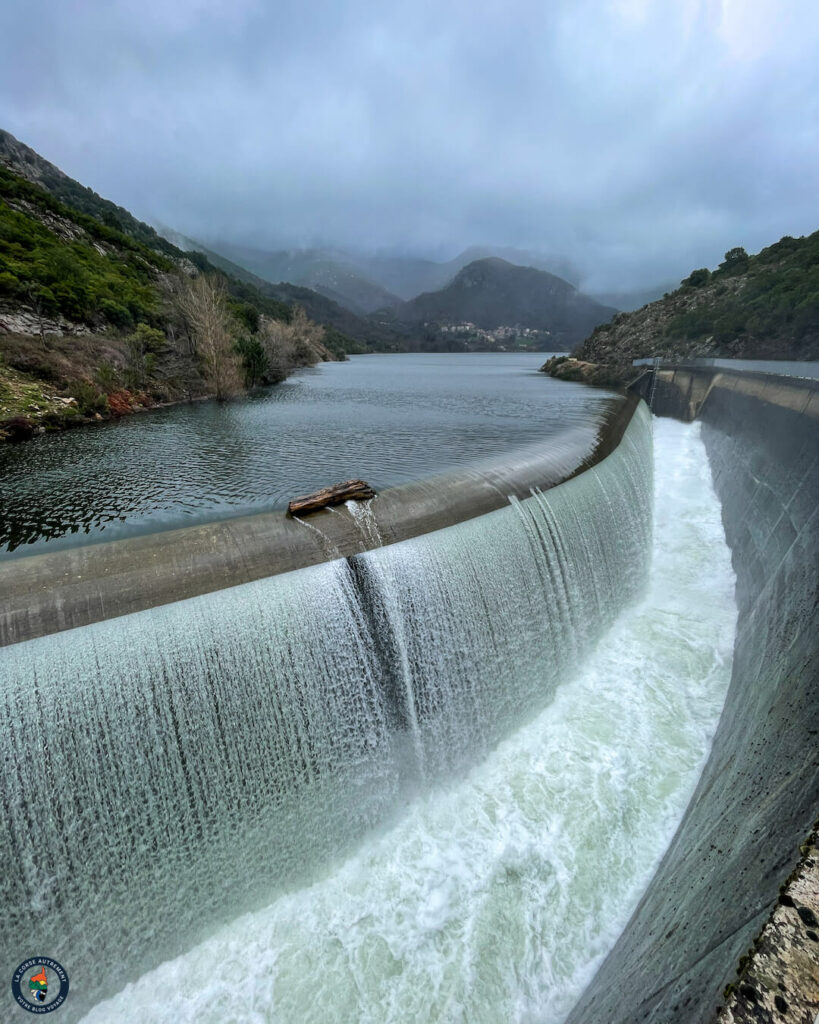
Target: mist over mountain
{"points": [[492, 293], [634, 139], [367, 281], [331, 272]]}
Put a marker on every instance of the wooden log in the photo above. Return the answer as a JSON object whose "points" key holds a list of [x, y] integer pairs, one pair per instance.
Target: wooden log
{"points": [[349, 490]]}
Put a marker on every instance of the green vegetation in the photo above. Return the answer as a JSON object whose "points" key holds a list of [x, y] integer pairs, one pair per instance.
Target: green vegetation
{"points": [[778, 297], [764, 306], [342, 345], [20, 394], [143, 346], [697, 278], [154, 324], [90, 400], [80, 269], [255, 364], [61, 260], [81, 199]]}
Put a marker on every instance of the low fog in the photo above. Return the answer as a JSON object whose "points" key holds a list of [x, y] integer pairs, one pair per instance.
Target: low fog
{"points": [[636, 139]]}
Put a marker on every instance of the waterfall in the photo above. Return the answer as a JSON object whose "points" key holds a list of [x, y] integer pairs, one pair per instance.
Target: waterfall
{"points": [[167, 770]]}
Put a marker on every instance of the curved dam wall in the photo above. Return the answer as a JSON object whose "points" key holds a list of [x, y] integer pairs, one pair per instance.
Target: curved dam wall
{"points": [[47, 593], [201, 756], [759, 793]]}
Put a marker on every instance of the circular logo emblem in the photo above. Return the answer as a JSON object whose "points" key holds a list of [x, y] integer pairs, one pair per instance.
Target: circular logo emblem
{"points": [[40, 985]]}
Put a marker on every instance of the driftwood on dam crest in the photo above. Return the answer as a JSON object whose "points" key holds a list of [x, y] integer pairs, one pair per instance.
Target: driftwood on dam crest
{"points": [[348, 490]]}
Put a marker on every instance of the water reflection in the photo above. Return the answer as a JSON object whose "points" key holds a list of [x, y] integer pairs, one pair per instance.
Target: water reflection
{"points": [[388, 419]]}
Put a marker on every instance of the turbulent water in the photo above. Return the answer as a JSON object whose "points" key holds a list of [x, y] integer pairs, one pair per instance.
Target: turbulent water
{"points": [[436, 712], [387, 419]]}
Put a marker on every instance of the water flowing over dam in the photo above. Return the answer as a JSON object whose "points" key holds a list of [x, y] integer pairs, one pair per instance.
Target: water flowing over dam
{"points": [[188, 764]]}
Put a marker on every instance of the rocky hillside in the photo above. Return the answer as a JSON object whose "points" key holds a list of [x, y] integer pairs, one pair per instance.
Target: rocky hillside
{"points": [[758, 307], [492, 293], [98, 319], [344, 331], [358, 334]]}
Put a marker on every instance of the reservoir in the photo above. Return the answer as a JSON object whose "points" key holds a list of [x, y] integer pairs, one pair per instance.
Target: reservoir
{"points": [[387, 419]]}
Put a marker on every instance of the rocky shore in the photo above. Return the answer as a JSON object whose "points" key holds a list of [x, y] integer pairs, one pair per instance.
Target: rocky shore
{"points": [[606, 375]]}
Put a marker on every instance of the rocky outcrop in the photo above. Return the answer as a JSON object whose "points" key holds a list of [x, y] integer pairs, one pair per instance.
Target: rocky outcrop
{"points": [[581, 372], [26, 321], [778, 979]]}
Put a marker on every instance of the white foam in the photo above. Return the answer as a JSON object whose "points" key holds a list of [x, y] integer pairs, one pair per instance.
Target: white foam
{"points": [[495, 898]]}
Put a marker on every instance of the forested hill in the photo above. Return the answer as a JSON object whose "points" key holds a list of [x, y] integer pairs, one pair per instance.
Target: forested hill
{"points": [[493, 293], [22, 160], [98, 319], [758, 307], [344, 332], [359, 333]]}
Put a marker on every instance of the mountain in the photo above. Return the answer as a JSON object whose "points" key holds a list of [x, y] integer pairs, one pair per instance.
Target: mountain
{"points": [[357, 334], [330, 272], [347, 332], [20, 159], [408, 277], [492, 293], [758, 307], [99, 314], [365, 282]]}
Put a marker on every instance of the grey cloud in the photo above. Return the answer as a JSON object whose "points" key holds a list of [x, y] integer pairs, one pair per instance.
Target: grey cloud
{"points": [[638, 138]]}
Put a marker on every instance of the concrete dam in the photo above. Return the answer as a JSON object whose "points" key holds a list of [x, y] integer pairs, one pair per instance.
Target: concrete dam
{"points": [[758, 796], [348, 750]]}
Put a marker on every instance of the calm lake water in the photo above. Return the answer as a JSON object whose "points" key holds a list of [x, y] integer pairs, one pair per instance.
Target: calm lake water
{"points": [[386, 418]]}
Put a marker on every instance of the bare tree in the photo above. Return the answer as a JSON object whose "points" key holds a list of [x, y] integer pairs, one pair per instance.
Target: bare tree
{"points": [[202, 302], [297, 343], [308, 336], [277, 342]]}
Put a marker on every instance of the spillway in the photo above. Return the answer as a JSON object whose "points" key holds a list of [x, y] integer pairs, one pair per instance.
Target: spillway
{"points": [[400, 756]]}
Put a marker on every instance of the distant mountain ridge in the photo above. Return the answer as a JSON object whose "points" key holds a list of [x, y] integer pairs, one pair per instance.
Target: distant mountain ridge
{"points": [[329, 272], [359, 298], [492, 293], [489, 292], [374, 281]]}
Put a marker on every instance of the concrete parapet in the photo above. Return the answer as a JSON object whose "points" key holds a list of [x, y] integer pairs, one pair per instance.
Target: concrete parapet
{"points": [[44, 594]]}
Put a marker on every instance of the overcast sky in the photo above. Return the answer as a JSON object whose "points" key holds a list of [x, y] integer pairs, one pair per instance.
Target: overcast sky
{"points": [[639, 138]]}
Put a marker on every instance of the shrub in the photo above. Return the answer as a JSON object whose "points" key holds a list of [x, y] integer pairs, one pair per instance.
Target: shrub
{"points": [[89, 399], [736, 260], [697, 278], [247, 315], [255, 365], [106, 378]]}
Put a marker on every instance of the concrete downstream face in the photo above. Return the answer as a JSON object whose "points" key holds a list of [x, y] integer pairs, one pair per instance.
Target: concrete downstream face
{"points": [[759, 794]]}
